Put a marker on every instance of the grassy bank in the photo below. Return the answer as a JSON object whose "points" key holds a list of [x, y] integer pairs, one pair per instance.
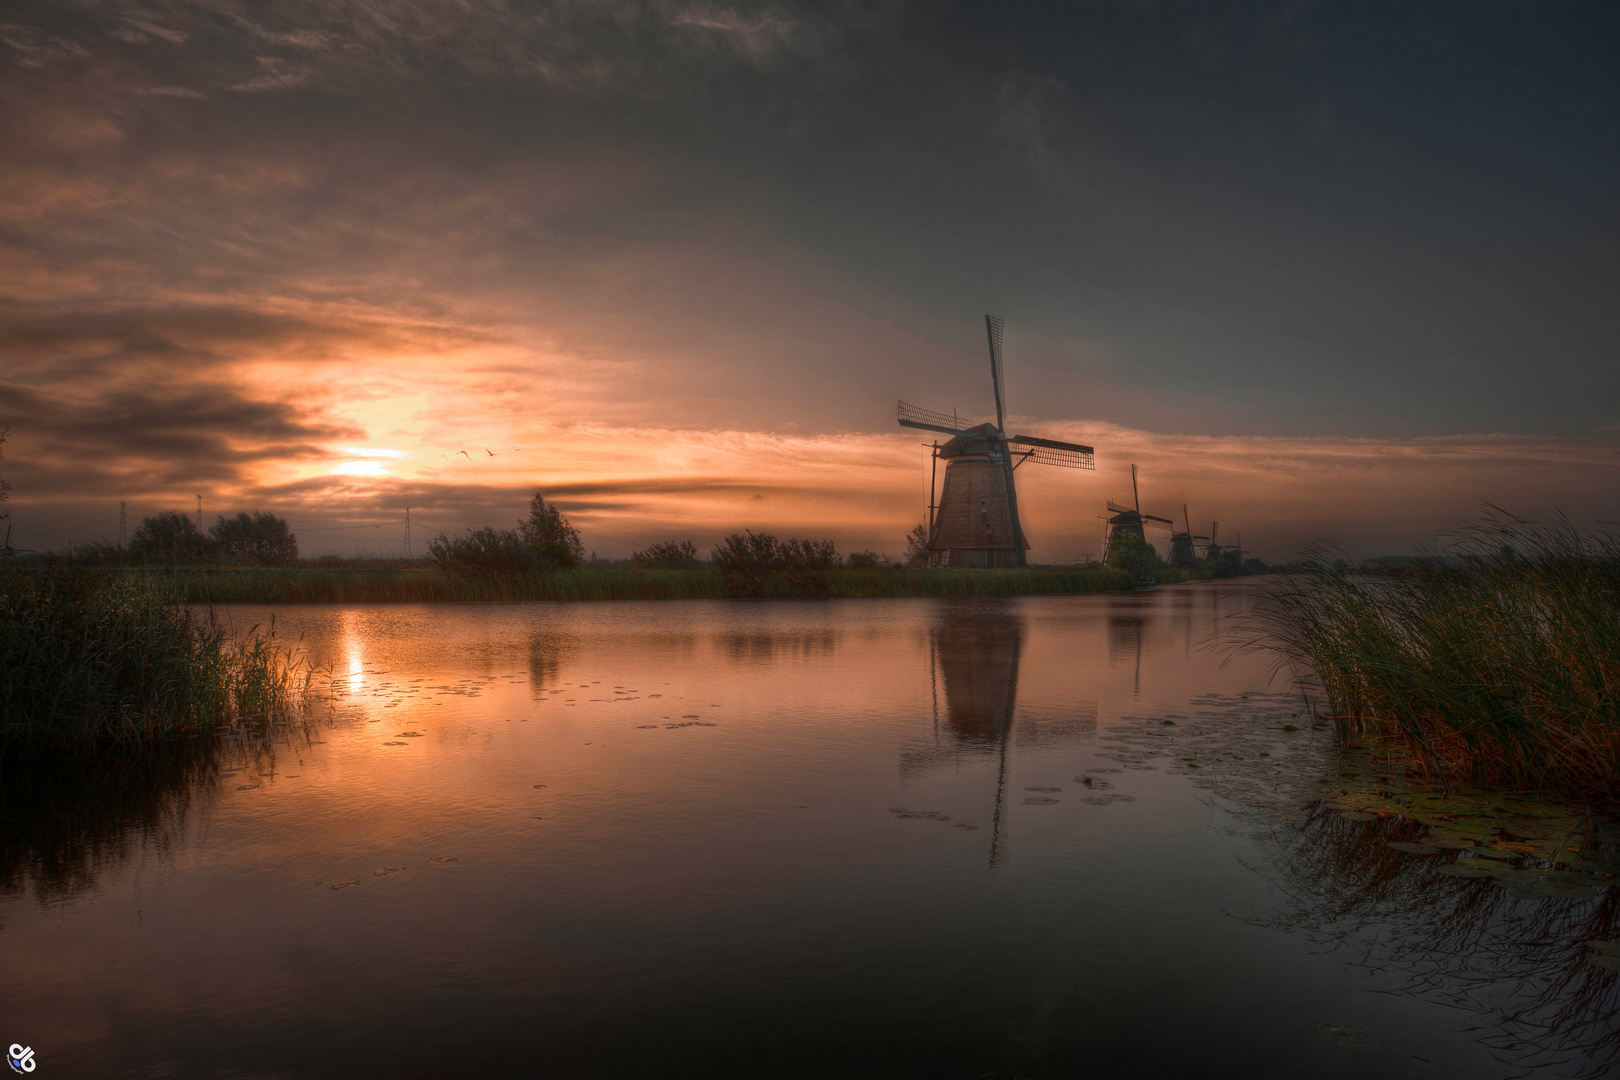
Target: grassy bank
{"points": [[1499, 664], [91, 661], [322, 586]]}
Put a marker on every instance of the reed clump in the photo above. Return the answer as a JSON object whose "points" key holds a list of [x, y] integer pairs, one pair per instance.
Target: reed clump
{"points": [[90, 660], [1495, 659]]}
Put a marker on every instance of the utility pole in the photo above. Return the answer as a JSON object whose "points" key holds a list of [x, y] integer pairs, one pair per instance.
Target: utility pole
{"points": [[407, 532], [120, 525], [199, 513], [933, 471]]}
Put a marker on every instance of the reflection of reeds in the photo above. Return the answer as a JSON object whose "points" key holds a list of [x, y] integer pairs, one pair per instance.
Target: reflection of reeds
{"points": [[1518, 965], [63, 821], [1498, 662], [89, 661], [319, 586]]}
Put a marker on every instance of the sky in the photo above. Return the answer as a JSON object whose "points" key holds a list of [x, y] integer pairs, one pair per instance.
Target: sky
{"points": [[1322, 271]]}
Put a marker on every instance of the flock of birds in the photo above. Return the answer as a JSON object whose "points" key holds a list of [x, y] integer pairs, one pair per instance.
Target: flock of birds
{"points": [[487, 450]]}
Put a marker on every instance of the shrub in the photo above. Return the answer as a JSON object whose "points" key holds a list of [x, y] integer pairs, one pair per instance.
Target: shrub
{"points": [[489, 552], [668, 554], [865, 560], [260, 540], [170, 537], [917, 546], [748, 560]]}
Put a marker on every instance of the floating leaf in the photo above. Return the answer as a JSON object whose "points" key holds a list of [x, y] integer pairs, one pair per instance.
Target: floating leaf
{"points": [[345, 884], [1039, 800], [1470, 869], [1411, 848], [387, 870], [442, 859]]}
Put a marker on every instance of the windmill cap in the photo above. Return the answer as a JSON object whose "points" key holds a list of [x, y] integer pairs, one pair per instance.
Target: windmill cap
{"points": [[978, 441]]}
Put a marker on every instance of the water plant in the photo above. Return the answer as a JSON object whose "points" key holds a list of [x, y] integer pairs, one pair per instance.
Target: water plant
{"points": [[91, 660], [1495, 658]]}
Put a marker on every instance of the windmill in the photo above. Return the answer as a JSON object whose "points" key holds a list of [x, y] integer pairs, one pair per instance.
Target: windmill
{"points": [[1131, 518], [1183, 545], [977, 519]]}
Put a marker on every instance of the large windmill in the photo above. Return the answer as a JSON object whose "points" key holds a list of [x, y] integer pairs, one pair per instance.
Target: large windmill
{"points": [[977, 521]]}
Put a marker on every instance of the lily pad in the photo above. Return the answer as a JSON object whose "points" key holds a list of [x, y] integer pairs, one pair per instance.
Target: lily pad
{"points": [[1040, 800], [1469, 869], [1058, 789], [1347, 1038], [345, 884], [386, 871], [1564, 889], [1412, 848], [442, 859]]}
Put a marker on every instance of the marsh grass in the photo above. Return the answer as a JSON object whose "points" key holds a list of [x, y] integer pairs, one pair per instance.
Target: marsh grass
{"points": [[91, 661], [1495, 659], [322, 586]]}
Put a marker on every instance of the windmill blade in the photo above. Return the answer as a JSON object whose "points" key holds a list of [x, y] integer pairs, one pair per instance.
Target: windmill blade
{"points": [[1051, 452], [1158, 522], [992, 327], [928, 420]]}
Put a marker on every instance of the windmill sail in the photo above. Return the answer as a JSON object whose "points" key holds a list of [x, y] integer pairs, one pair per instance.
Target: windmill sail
{"points": [[993, 326], [1052, 452], [928, 420]]}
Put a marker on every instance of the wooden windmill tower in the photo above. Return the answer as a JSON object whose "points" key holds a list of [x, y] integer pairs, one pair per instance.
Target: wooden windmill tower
{"points": [[977, 522]]}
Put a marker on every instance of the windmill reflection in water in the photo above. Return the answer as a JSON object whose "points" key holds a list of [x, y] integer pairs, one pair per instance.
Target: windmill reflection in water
{"points": [[975, 647]]}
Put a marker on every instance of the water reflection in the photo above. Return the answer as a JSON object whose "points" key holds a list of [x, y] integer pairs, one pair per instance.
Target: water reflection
{"points": [[1519, 966]]}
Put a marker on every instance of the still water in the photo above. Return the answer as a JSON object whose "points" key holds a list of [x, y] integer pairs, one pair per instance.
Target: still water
{"points": [[835, 838]]}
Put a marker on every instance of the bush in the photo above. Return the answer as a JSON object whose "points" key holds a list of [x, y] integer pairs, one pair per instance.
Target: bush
{"points": [[668, 554], [917, 546], [747, 561], [260, 540], [489, 552], [865, 560], [170, 537]]}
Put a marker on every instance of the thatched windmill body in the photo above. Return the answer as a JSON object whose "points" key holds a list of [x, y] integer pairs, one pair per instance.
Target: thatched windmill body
{"points": [[977, 520]]}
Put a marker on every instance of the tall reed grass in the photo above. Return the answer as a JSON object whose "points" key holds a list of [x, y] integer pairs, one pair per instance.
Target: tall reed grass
{"points": [[320, 586], [1495, 659], [89, 660]]}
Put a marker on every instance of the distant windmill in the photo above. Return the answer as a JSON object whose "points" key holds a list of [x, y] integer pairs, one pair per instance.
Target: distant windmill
{"points": [[1183, 545], [977, 521], [1131, 518]]}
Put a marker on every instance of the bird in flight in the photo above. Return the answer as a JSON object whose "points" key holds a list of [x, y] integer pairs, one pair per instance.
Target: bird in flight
{"points": [[490, 452], [464, 454]]}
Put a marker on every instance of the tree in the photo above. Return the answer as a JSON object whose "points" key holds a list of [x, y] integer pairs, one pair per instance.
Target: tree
{"points": [[917, 546], [546, 529], [260, 540], [170, 537], [865, 560], [1132, 554]]}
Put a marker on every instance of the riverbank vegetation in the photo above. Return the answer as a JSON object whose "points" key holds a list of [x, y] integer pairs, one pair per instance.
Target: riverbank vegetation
{"points": [[316, 585], [1496, 660], [91, 659]]}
